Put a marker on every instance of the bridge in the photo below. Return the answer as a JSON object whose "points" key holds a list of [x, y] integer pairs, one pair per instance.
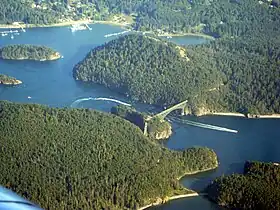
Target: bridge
{"points": [[180, 106], [166, 112]]}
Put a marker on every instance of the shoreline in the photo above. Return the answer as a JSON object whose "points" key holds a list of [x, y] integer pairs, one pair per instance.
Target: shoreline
{"points": [[63, 24], [174, 197], [249, 116], [197, 172], [67, 23], [107, 22]]}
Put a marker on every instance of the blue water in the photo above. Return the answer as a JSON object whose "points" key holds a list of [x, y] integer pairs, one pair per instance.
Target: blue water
{"points": [[51, 83]]}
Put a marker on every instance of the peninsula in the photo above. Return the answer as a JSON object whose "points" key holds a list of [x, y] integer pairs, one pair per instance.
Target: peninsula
{"points": [[258, 188], [98, 159], [28, 52], [8, 80], [154, 71]]}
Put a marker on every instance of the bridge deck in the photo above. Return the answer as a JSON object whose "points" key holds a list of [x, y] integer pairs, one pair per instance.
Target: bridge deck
{"points": [[167, 111]]}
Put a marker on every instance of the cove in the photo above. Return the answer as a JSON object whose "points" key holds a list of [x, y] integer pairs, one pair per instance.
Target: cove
{"points": [[51, 83]]}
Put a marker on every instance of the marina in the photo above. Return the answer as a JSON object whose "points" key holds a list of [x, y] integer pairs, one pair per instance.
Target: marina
{"points": [[12, 32]]}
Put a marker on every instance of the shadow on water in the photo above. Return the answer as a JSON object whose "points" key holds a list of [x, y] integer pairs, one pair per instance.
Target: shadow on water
{"points": [[198, 182]]}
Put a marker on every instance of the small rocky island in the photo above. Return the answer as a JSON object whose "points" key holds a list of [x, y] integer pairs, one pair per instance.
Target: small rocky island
{"points": [[156, 128], [28, 52], [7, 80]]}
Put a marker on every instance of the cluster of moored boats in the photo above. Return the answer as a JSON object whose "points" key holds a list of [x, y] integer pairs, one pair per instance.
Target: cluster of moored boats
{"points": [[11, 33], [80, 27]]}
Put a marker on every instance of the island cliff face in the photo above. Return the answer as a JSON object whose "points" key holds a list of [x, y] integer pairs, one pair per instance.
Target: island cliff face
{"points": [[28, 52], [159, 129], [7, 80], [156, 128]]}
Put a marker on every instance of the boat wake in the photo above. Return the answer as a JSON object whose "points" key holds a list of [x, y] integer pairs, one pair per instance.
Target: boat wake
{"points": [[116, 34], [75, 103], [201, 125]]}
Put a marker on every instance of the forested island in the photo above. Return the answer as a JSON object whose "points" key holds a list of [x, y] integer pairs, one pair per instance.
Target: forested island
{"points": [[8, 80], [229, 75], [28, 52], [156, 128], [84, 159], [258, 188]]}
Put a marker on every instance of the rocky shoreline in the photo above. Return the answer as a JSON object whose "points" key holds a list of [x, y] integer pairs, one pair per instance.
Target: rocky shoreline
{"points": [[160, 201], [206, 112], [6, 80]]}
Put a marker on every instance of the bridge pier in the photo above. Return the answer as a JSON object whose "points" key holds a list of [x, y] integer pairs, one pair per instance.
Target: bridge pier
{"points": [[183, 111], [146, 129]]}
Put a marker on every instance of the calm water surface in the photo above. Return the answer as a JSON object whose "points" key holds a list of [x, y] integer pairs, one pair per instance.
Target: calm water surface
{"points": [[51, 83]]}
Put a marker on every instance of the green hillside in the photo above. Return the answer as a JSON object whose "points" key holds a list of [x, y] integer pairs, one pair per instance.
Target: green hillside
{"points": [[225, 75], [147, 69], [82, 159]]}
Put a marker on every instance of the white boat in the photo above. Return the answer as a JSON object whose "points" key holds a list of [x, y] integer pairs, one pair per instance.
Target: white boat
{"points": [[16, 33], [29, 97], [12, 36]]}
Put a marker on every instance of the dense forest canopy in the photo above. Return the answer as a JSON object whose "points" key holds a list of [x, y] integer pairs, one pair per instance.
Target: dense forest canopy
{"points": [[30, 52], [83, 159], [225, 75], [21, 10], [258, 188], [147, 69]]}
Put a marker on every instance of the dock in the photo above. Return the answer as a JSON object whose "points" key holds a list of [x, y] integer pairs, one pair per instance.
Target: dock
{"points": [[89, 28]]}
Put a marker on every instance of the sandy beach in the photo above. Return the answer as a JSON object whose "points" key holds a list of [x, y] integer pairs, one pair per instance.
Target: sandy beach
{"points": [[67, 23], [227, 114], [195, 194], [232, 114]]}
